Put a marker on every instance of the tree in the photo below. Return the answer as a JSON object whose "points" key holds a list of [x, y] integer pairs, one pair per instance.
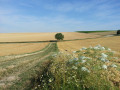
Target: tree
{"points": [[59, 36], [118, 32]]}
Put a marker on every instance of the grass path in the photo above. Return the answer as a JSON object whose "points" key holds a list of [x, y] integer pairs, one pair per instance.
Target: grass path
{"points": [[14, 69]]}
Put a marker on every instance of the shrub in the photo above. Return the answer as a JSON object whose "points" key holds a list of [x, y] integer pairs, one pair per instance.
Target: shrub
{"points": [[59, 36], [118, 32]]}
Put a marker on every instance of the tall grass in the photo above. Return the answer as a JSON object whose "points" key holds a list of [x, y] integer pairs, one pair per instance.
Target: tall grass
{"points": [[90, 68]]}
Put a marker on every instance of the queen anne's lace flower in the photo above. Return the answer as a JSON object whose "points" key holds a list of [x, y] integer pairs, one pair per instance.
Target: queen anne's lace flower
{"points": [[84, 48], [104, 66], [82, 57], [85, 69], [102, 48], [74, 51], [113, 65], [104, 60], [74, 67], [88, 58], [109, 49], [104, 55], [50, 80], [99, 47], [54, 55], [80, 49], [83, 61], [96, 48]]}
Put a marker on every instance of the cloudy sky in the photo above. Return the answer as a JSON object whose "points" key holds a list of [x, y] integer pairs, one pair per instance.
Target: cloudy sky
{"points": [[58, 15]]}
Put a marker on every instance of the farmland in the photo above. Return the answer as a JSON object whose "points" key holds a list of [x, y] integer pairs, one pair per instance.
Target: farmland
{"points": [[21, 68], [20, 48], [111, 42], [27, 37], [26, 63]]}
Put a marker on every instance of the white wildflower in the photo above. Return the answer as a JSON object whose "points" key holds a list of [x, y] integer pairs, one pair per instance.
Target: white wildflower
{"points": [[35, 87], [104, 60], [96, 48], [102, 48], [98, 45], [109, 49], [88, 71], [83, 61], [104, 66], [74, 67], [74, 51], [74, 59], [88, 58], [84, 52], [84, 48], [113, 65], [104, 55], [38, 85], [50, 80], [85, 69], [82, 57], [54, 55], [80, 49]]}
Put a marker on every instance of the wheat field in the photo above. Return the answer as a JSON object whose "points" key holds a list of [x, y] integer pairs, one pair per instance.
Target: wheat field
{"points": [[20, 48], [18, 37], [111, 42]]}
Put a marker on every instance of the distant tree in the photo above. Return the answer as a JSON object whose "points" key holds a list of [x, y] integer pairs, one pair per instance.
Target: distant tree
{"points": [[118, 32], [59, 36]]}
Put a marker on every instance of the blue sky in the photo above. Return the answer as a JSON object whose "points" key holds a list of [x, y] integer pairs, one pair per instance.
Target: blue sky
{"points": [[58, 15]]}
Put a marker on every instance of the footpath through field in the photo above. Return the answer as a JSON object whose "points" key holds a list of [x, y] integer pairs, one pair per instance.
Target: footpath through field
{"points": [[17, 70]]}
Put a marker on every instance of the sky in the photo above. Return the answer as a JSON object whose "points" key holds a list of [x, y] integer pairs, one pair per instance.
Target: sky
{"points": [[58, 15]]}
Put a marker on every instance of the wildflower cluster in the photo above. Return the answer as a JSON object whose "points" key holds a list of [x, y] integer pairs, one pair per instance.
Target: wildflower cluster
{"points": [[92, 67]]}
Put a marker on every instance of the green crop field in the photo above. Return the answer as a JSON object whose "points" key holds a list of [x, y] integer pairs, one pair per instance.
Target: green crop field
{"points": [[93, 31]]}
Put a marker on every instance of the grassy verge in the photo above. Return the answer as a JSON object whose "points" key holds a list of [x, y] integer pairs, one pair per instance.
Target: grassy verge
{"points": [[90, 68]]}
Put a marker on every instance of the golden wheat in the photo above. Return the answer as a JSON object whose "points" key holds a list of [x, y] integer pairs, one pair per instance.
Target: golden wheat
{"points": [[111, 42], [21, 48], [17, 37]]}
